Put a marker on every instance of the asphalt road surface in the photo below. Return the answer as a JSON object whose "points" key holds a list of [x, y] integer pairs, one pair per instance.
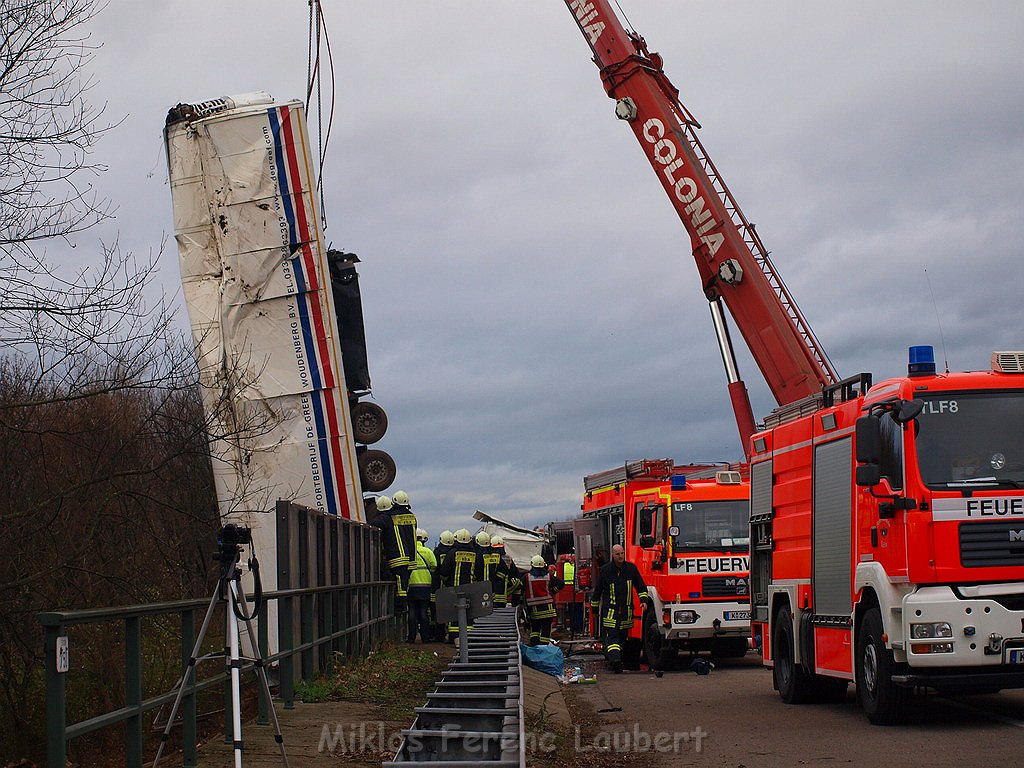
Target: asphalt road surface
{"points": [[733, 717]]}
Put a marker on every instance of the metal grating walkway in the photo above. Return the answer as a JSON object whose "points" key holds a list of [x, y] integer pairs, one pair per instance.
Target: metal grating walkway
{"points": [[475, 714]]}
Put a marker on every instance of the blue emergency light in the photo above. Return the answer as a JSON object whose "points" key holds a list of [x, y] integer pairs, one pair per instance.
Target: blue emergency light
{"points": [[922, 361], [678, 482]]}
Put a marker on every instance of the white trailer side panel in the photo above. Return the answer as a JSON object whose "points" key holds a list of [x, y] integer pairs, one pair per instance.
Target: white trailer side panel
{"points": [[255, 280]]}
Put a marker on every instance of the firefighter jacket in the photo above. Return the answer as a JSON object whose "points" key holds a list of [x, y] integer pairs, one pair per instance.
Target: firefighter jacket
{"points": [[614, 593], [421, 578], [503, 577], [539, 587], [398, 534], [441, 552], [463, 565]]}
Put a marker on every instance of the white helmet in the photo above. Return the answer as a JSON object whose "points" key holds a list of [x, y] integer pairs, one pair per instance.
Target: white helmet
{"points": [[383, 503], [497, 541], [463, 536], [401, 498], [537, 561], [421, 535], [447, 538], [483, 539]]}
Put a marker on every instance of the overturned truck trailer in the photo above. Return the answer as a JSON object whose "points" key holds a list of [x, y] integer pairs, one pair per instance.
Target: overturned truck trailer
{"points": [[257, 282]]}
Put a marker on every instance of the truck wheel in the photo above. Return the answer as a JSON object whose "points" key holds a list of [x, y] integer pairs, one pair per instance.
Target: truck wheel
{"points": [[884, 702], [659, 652], [795, 686], [730, 648], [376, 470], [369, 422]]}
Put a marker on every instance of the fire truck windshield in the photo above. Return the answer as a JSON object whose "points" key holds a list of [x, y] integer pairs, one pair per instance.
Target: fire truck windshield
{"points": [[711, 525], [972, 439]]}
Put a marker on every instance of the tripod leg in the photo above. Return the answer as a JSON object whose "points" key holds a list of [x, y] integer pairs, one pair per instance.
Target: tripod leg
{"points": [[235, 668], [183, 682], [261, 675]]}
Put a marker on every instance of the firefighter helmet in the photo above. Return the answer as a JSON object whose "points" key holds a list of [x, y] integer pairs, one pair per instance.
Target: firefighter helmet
{"points": [[421, 535], [447, 538], [483, 539], [401, 498], [537, 561], [497, 541], [383, 503], [463, 536]]}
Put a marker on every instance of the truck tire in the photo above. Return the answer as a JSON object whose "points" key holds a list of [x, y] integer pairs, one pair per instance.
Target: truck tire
{"points": [[884, 702], [730, 648], [794, 684], [376, 470], [369, 422], [660, 653]]}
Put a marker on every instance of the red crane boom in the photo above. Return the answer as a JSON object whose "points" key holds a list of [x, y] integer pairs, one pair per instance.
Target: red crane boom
{"points": [[733, 264]]}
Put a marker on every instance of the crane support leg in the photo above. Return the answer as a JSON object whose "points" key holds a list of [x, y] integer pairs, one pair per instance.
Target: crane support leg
{"points": [[737, 389]]}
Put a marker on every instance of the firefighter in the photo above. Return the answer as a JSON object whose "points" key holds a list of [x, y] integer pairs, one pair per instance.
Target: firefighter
{"points": [[446, 541], [398, 534], [540, 587], [504, 577], [421, 583], [575, 606], [463, 565], [614, 593]]}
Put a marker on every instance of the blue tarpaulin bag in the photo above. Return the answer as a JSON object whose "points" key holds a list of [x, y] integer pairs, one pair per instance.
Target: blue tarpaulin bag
{"points": [[548, 659]]}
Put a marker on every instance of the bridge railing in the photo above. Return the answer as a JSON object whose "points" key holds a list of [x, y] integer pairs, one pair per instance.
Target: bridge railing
{"points": [[330, 601]]}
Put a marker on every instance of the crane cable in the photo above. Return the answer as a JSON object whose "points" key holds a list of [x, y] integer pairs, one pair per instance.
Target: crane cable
{"points": [[314, 80]]}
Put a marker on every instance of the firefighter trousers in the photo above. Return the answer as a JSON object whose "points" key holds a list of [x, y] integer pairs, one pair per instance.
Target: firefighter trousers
{"points": [[401, 574], [613, 639], [540, 631]]}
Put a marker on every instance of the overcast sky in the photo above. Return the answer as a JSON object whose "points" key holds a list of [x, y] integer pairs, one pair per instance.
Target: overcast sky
{"points": [[533, 311]]}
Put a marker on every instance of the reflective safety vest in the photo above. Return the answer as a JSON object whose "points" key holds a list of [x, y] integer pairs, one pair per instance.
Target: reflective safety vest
{"points": [[538, 589], [422, 574], [569, 572]]}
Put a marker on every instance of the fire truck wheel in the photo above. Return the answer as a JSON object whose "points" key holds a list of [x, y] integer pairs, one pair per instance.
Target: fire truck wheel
{"points": [[376, 470], [795, 686], [884, 702], [369, 422], [730, 648], [659, 652]]}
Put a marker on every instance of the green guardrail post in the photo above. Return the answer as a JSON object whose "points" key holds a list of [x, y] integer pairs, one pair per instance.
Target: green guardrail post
{"points": [[55, 651], [133, 690], [188, 699], [286, 621], [306, 633]]}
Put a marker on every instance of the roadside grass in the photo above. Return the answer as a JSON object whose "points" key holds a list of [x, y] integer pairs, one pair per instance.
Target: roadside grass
{"points": [[394, 678]]}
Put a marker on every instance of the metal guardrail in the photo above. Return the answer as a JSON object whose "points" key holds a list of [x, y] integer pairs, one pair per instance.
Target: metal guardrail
{"points": [[369, 603], [330, 601], [474, 716]]}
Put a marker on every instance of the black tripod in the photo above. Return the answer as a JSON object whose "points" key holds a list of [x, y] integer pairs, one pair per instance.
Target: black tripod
{"points": [[229, 589]]}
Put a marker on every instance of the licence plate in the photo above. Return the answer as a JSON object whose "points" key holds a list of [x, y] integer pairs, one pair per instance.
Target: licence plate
{"points": [[745, 616], [1017, 655]]}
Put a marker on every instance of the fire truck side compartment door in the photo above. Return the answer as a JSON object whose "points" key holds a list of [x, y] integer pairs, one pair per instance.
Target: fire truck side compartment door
{"points": [[832, 541], [760, 537]]}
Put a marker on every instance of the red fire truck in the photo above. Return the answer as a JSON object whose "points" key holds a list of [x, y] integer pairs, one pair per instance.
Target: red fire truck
{"points": [[887, 521], [686, 530], [888, 534]]}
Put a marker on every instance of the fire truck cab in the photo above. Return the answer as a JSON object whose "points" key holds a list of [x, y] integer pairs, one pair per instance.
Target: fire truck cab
{"points": [[887, 529], [685, 528]]}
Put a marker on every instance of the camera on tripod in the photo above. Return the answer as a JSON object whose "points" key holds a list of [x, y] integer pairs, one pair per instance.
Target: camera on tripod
{"points": [[230, 541]]}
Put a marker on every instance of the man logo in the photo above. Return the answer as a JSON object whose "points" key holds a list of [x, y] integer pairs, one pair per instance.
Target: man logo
{"points": [[1017, 535]]}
